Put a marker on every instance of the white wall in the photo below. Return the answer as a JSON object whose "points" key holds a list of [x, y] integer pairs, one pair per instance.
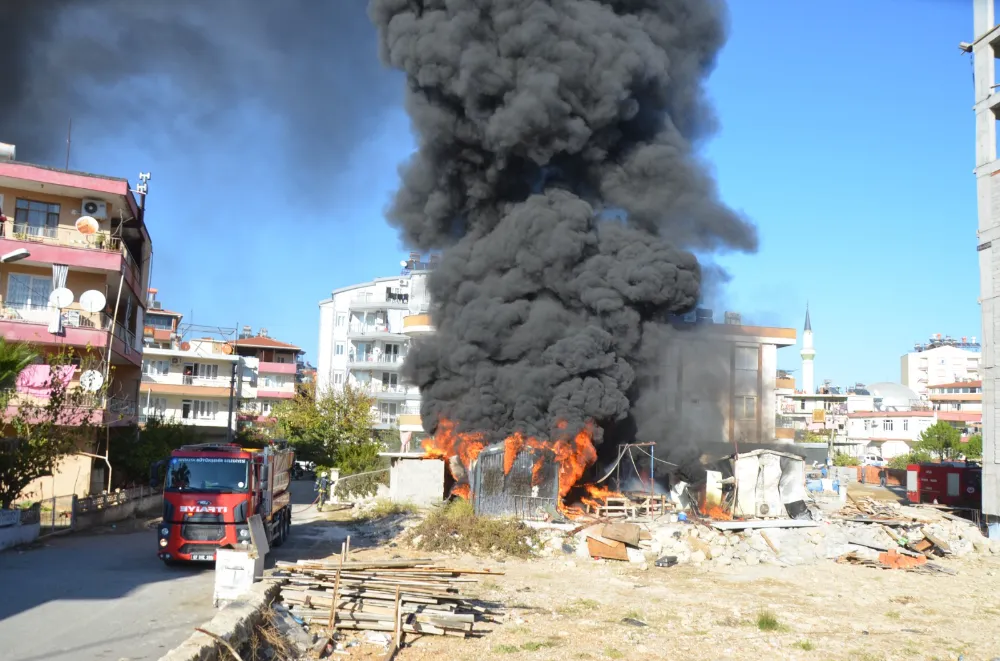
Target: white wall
{"points": [[871, 431], [920, 369]]}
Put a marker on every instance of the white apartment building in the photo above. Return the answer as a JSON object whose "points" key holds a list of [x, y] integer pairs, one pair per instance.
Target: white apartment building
{"points": [[957, 396], [193, 382], [364, 337], [941, 360]]}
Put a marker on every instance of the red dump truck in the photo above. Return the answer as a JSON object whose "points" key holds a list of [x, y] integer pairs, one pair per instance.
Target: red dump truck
{"points": [[211, 490]]}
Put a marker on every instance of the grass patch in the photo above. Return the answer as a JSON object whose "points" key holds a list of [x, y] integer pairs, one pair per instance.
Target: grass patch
{"points": [[804, 645], [635, 615], [577, 607], [535, 645], [767, 621], [892, 615], [506, 649], [455, 528], [384, 508], [612, 653]]}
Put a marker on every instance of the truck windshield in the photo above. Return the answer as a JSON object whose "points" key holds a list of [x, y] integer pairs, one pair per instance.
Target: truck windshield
{"points": [[207, 474]]}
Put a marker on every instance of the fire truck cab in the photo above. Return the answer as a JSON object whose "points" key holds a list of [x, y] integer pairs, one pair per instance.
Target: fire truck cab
{"points": [[211, 490]]}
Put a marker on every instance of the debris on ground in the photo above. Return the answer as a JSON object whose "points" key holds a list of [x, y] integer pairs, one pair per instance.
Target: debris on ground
{"points": [[377, 602]]}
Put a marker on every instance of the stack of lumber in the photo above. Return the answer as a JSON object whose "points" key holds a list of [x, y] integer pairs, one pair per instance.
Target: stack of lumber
{"points": [[405, 596]]}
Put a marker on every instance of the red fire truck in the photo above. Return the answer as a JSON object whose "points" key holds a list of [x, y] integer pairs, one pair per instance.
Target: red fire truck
{"points": [[211, 490]]}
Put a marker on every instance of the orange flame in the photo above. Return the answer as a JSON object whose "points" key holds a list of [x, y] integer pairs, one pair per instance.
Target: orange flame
{"points": [[574, 454], [462, 490], [597, 492]]}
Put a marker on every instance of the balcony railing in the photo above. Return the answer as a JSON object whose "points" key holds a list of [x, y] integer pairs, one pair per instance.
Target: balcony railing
{"points": [[378, 388], [389, 300], [369, 329], [68, 236], [123, 407], [125, 335], [42, 314], [177, 379], [373, 360]]}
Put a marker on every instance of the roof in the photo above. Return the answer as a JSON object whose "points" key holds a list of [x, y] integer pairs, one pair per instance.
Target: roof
{"points": [[894, 391], [761, 451], [264, 343], [169, 313], [958, 384], [892, 414], [960, 416], [808, 325]]}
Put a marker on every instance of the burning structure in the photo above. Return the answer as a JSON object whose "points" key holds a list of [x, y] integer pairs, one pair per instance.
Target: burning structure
{"points": [[557, 173]]}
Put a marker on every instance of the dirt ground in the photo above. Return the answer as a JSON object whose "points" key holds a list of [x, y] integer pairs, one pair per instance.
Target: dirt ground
{"points": [[568, 608]]}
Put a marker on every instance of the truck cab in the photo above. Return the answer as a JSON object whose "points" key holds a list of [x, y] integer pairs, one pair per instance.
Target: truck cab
{"points": [[210, 491]]}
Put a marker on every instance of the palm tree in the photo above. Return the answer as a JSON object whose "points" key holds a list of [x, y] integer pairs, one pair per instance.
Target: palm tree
{"points": [[14, 357]]}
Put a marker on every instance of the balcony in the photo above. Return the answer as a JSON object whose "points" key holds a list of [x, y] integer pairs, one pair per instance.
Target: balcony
{"points": [[48, 246], [372, 332], [276, 368], [178, 379], [417, 324], [221, 420], [29, 323], [370, 361], [389, 392], [373, 302]]}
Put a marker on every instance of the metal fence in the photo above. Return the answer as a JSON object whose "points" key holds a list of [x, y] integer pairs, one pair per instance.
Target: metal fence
{"points": [[55, 514], [106, 500]]}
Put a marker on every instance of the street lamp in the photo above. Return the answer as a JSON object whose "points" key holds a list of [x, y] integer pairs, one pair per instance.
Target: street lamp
{"points": [[15, 256]]}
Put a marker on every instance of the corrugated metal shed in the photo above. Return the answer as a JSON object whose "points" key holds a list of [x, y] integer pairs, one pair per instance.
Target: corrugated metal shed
{"points": [[513, 494]]}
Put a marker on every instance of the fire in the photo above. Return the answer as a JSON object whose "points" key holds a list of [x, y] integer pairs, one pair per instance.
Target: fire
{"points": [[717, 513], [597, 493], [573, 453], [462, 490]]}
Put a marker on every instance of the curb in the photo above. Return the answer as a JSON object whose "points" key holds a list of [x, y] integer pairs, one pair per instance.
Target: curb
{"points": [[233, 624]]}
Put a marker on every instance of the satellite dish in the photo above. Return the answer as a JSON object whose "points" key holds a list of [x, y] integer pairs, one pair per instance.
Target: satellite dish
{"points": [[92, 300], [91, 380], [227, 349], [61, 298], [403, 263], [185, 346], [87, 225]]}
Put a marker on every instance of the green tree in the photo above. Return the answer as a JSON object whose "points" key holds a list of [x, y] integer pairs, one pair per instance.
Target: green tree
{"points": [[844, 459], [14, 357], [940, 439], [133, 451], [334, 430], [316, 426], [39, 432], [973, 448], [914, 457]]}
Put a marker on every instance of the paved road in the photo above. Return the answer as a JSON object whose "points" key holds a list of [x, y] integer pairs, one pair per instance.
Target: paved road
{"points": [[107, 597]]}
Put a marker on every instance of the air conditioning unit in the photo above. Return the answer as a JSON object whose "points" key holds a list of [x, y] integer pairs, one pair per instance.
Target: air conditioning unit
{"points": [[156, 306], [175, 361], [95, 209]]}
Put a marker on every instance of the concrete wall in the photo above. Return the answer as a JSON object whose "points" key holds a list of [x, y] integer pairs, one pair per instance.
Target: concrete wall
{"points": [[418, 481], [11, 536], [152, 504]]}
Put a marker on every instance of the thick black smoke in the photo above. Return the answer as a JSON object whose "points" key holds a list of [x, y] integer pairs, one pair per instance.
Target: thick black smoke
{"points": [[557, 170], [188, 69]]}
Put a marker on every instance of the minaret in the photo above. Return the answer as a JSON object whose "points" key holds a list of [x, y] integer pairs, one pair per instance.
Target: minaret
{"points": [[807, 353]]}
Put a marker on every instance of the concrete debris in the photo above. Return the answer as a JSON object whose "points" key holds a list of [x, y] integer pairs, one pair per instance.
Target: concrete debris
{"points": [[914, 533]]}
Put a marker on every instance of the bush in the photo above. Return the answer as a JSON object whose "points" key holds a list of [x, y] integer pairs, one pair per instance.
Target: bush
{"points": [[842, 459], [456, 528], [914, 457], [384, 508]]}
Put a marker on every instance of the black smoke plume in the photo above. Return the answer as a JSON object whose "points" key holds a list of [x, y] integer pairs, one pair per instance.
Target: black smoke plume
{"points": [[557, 170], [186, 71]]}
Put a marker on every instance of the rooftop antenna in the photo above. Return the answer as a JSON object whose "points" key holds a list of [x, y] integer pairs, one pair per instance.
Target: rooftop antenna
{"points": [[69, 140]]}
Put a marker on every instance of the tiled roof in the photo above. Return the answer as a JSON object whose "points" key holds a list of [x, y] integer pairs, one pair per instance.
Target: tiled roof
{"points": [[957, 384], [265, 343]]}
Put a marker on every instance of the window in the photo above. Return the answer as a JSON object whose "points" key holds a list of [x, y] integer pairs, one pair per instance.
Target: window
{"points": [[338, 349], [155, 367], [156, 407], [36, 218], [338, 378], [199, 409], [265, 406], [156, 321], [390, 379], [276, 380], [746, 358], [341, 320], [906, 425], [28, 291], [745, 408], [887, 425], [281, 359]]}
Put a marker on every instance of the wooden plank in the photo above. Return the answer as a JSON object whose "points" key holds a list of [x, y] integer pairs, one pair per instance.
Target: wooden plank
{"points": [[626, 533], [763, 523], [614, 550]]}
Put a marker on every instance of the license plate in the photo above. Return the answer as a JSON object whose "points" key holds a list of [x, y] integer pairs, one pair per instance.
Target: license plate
{"points": [[202, 556]]}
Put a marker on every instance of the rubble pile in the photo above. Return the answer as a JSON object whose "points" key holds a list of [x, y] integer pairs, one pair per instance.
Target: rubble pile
{"points": [[864, 529]]}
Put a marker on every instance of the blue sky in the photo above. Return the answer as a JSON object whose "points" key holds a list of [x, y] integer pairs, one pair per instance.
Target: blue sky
{"points": [[846, 136]]}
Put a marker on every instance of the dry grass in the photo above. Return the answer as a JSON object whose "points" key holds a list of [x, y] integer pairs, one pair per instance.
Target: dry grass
{"points": [[767, 621], [456, 529], [384, 508]]}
